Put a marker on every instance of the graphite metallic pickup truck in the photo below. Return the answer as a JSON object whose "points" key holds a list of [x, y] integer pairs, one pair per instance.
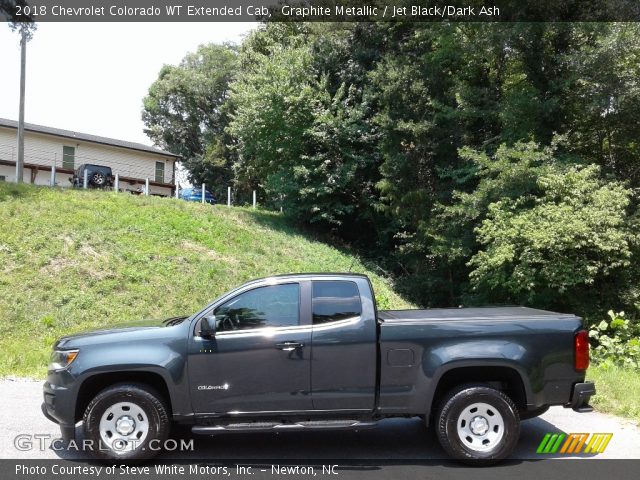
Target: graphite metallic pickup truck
{"points": [[311, 351]]}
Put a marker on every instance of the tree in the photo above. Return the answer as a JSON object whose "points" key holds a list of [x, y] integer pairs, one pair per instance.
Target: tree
{"points": [[26, 26], [184, 112], [553, 235], [301, 136], [273, 102], [403, 138], [8, 13], [604, 102], [440, 88], [437, 89]]}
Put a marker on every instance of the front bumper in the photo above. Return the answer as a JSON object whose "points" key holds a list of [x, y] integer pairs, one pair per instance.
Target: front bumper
{"points": [[59, 395], [46, 413], [580, 396], [67, 432], [59, 400]]}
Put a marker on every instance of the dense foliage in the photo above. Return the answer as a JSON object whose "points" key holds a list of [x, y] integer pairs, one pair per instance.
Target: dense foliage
{"points": [[618, 342], [550, 235], [479, 163]]}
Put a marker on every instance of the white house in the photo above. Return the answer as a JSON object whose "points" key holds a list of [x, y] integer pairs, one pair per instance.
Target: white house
{"points": [[67, 150]]}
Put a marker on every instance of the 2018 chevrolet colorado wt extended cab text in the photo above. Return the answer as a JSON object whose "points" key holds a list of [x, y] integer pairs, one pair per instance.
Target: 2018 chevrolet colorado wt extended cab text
{"points": [[311, 351]]}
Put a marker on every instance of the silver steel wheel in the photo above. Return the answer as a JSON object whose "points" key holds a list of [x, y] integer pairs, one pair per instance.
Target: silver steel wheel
{"points": [[480, 427], [123, 427]]}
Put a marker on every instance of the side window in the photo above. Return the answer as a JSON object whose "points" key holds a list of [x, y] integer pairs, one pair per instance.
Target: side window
{"points": [[335, 300], [272, 306], [160, 172], [68, 157]]}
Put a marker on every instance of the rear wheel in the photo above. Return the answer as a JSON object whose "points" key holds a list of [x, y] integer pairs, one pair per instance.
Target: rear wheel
{"points": [[126, 422], [478, 423]]}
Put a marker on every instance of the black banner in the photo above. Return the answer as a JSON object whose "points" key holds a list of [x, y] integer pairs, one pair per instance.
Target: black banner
{"points": [[319, 10], [568, 469]]}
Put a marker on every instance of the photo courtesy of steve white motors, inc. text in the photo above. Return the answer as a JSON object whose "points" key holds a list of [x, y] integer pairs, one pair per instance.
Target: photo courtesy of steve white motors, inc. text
{"points": [[69, 470]]}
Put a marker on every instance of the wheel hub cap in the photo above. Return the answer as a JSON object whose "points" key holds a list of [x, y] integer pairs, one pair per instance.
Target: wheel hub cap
{"points": [[479, 425], [125, 425]]}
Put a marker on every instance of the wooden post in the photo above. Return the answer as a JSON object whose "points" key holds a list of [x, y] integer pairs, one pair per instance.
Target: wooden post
{"points": [[85, 180], [53, 175], [146, 186], [177, 190], [203, 188], [116, 185], [254, 199], [228, 196]]}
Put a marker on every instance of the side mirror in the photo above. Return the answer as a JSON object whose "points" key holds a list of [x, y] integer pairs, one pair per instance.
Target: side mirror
{"points": [[208, 326]]}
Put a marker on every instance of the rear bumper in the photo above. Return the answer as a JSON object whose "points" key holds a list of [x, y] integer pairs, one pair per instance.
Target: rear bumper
{"points": [[210, 201], [580, 396]]}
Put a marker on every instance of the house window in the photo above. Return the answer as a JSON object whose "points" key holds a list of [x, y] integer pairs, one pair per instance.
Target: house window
{"points": [[68, 157], [160, 172], [3, 178]]}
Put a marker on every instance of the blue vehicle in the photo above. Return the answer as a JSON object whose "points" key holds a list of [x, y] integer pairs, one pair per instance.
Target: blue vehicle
{"points": [[195, 195]]}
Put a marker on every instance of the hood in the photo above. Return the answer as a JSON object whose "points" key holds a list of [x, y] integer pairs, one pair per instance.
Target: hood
{"points": [[124, 328]]}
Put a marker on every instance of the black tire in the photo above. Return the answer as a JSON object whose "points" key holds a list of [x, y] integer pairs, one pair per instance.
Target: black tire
{"points": [[529, 414], [458, 404], [155, 414]]}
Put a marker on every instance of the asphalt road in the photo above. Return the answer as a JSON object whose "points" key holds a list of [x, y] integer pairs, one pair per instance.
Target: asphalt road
{"points": [[396, 441]]}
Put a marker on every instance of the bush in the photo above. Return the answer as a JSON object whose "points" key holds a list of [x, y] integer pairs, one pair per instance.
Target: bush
{"points": [[618, 341], [561, 240]]}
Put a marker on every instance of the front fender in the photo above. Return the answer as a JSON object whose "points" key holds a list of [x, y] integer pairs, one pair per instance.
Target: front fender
{"points": [[116, 356], [164, 360]]}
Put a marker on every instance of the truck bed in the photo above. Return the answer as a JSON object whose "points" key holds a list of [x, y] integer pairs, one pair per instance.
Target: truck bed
{"points": [[472, 313]]}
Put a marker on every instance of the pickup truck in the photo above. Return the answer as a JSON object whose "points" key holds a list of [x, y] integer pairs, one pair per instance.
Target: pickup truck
{"points": [[312, 351]]}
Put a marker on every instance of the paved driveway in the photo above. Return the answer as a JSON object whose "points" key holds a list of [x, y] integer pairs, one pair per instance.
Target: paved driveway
{"points": [[395, 440]]}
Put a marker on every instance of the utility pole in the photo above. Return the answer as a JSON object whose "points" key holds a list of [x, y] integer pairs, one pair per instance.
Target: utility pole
{"points": [[23, 62]]}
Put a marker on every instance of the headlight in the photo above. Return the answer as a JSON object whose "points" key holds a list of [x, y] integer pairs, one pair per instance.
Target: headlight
{"points": [[62, 359]]}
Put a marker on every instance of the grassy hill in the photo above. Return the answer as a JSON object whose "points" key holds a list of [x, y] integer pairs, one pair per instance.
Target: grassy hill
{"points": [[76, 260]]}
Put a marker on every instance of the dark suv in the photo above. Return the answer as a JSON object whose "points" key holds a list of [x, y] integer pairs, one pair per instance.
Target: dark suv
{"points": [[98, 176]]}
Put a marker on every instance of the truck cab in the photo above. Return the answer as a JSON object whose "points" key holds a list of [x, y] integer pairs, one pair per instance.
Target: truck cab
{"points": [[271, 338]]}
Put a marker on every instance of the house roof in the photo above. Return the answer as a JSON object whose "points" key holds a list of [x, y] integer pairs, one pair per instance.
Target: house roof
{"points": [[85, 137]]}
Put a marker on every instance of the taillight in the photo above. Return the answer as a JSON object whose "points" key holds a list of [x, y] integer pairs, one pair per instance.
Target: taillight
{"points": [[581, 344]]}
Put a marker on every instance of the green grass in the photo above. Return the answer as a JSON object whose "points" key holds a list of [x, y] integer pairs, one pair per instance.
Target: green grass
{"points": [[77, 260], [618, 390]]}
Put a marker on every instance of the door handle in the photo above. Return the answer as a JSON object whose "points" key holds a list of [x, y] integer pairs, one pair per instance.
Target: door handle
{"points": [[289, 346]]}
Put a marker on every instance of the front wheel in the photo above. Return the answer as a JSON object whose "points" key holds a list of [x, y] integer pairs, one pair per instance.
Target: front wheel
{"points": [[478, 423], [126, 422]]}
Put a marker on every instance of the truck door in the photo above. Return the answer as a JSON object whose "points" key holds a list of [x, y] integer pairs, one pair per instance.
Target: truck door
{"points": [[259, 359], [344, 340]]}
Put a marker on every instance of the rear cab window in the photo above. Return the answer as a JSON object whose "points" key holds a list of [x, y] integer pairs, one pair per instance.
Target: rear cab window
{"points": [[335, 300]]}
